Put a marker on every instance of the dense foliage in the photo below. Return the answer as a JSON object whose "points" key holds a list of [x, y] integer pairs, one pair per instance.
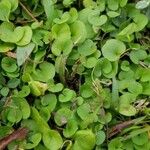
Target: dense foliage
{"points": [[75, 73]]}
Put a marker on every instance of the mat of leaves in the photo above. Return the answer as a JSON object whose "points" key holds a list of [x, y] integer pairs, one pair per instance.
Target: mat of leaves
{"points": [[75, 74]]}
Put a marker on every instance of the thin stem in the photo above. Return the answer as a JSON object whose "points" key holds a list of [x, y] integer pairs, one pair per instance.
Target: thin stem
{"points": [[28, 11]]}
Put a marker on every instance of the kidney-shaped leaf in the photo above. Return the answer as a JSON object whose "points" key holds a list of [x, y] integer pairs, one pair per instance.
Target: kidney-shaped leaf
{"points": [[52, 140], [84, 140], [45, 72], [113, 49]]}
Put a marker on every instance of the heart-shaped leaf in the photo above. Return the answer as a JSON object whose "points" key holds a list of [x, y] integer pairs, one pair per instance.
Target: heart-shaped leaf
{"points": [[67, 95]]}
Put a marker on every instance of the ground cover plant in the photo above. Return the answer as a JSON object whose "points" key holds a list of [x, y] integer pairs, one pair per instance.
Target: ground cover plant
{"points": [[75, 74]]}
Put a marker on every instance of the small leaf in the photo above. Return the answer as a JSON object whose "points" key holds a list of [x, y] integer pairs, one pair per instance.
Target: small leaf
{"points": [[25, 91], [62, 116], [67, 95], [23, 106], [137, 55], [9, 33], [13, 83], [100, 137], [5, 7], [140, 139], [34, 140], [84, 140], [95, 19], [112, 4], [45, 72], [78, 32], [113, 49], [87, 48], [62, 46], [5, 47], [52, 140], [112, 14], [37, 88], [70, 129], [61, 32], [83, 110], [86, 90], [9, 64], [4, 91], [26, 36], [49, 100], [14, 4]]}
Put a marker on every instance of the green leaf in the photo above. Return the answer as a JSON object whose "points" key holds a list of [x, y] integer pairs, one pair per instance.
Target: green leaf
{"points": [[95, 19], [62, 46], [61, 32], [113, 49], [123, 3], [25, 91], [62, 116], [49, 100], [64, 18], [67, 95], [87, 48], [55, 87], [141, 21], [112, 14], [37, 88], [14, 4], [23, 106], [128, 30], [146, 89], [84, 139], [113, 4], [4, 130], [90, 62], [4, 91], [67, 3], [137, 55], [9, 33], [70, 129], [9, 64], [140, 139], [78, 32], [83, 110], [100, 137], [125, 108], [13, 83], [52, 140], [23, 53], [145, 75], [14, 115], [115, 144], [49, 9], [125, 65], [26, 36], [86, 90], [45, 72], [5, 47], [33, 141], [5, 7]]}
